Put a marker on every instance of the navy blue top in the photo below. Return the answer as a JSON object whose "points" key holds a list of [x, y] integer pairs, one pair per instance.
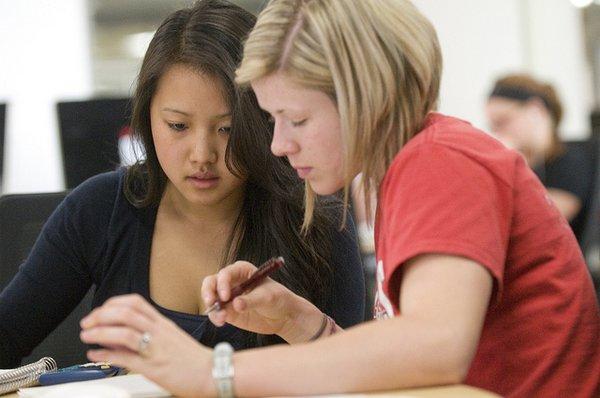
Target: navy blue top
{"points": [[97, 238], [572, 171]]}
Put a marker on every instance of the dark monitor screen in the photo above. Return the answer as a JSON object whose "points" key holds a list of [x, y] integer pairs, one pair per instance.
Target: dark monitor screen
{"points": [[89, 132], [2, 128]]}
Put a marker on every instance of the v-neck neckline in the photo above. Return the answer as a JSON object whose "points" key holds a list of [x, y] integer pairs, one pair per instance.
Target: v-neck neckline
{"points": [[141, 273]]}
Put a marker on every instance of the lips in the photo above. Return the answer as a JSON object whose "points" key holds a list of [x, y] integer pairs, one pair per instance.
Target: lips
{"points": [[303, 172], [204, 175], [203, 180]]}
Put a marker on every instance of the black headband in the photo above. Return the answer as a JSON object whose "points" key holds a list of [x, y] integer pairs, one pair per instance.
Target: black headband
{"points": [[519, 94]]}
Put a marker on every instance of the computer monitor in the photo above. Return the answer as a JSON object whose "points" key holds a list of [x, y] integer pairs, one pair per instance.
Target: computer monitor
{"points": [[2, 128], [89, 133]]}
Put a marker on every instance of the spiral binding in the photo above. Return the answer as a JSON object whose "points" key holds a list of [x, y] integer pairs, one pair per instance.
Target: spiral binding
{"points": [[25, 376]]}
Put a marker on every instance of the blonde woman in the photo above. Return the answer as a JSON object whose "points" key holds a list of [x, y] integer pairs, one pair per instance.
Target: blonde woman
{"points": [[479, 279]]}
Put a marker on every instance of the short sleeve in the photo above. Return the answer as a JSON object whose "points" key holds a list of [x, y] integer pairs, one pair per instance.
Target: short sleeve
{"points": [[436, 199]]}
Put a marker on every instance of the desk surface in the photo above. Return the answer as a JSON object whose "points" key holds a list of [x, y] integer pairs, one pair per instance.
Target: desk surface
{"points": [[458, 391]]}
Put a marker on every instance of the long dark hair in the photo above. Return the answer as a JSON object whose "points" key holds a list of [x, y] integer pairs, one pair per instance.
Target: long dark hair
{"points": [[209, 37]]}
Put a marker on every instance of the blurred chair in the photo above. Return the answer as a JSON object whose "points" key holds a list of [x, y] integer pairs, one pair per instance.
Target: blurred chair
{"points": [[89, 132], [590, 242], [2, 129], [586, 150], [21, 219], [588, 221]]}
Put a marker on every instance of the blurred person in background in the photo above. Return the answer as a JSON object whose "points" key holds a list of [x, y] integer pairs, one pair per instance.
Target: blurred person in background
{"points": [[525, 113]]}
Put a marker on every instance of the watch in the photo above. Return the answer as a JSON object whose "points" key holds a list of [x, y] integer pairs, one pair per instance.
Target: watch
{"points": [[222, 371]]}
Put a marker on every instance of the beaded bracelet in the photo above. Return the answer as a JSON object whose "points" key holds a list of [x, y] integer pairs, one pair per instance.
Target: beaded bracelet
{"points": [[327, 321], [324, 323]]}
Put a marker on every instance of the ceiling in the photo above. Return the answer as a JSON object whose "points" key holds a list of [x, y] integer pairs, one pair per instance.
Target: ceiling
{"points": [[114, 20], [116, 12]]}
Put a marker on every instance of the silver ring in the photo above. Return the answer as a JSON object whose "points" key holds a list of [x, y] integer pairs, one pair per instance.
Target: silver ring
{"points": [[144, 343]]}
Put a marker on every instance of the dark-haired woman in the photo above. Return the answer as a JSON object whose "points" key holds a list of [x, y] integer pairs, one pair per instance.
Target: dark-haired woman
{"points": [[208, 192], [525, 114]]}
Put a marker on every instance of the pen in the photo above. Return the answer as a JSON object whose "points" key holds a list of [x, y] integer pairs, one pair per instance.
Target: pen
{"points": [[261, 273]]}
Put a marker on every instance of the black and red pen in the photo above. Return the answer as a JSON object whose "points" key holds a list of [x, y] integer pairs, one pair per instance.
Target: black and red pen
{"points": [[266, 269]]}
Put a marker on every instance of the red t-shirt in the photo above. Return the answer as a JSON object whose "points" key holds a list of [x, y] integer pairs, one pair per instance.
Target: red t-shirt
{"points": [[454, 190]]}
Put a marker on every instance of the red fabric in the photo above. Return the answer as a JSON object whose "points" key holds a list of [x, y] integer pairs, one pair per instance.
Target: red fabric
{"points": [[454, 190]]}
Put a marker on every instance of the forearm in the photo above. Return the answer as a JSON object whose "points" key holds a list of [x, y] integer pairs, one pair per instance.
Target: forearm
{"points": [[567, 203], [19, 310], [307, 323], [8, 357], [30, 310], [386, 355]]}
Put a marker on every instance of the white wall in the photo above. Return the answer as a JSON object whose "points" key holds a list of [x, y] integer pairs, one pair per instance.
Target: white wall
{"points": [[482, 39], [45, 57], [558, 55]]}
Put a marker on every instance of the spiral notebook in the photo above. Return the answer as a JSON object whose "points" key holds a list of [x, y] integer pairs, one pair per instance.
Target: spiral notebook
{"points": [[134, 386], [25, 376]]}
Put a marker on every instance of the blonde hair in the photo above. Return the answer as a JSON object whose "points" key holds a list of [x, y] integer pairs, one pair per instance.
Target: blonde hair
{"points": [[379, 60]]}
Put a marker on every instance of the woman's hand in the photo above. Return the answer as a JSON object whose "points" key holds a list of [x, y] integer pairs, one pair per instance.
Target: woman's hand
{"points": [[136, 336], [270, 308]]}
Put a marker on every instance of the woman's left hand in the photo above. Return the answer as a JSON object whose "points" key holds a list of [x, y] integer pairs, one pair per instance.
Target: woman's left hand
{"points": [[136, 336]]}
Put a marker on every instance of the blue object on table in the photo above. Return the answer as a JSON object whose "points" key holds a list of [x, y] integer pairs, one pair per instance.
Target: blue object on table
{"points": [[88, 371]]}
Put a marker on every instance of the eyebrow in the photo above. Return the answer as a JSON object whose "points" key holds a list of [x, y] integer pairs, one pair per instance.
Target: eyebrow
{"points": [[292, 110], [175, 111], [221, 116]]}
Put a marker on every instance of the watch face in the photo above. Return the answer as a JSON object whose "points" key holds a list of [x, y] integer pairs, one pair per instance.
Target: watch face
{"points": [[223, 348], [222, 364]]}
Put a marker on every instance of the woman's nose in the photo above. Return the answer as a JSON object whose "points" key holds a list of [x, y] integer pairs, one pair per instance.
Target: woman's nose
{"points": [[204, 151], [283, 144]]}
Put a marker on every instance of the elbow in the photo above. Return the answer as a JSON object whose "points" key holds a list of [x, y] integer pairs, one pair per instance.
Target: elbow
{"points": [[461, 351], [453, 362], [460, 358], [458, 373], [452, 372], [567, 203]]}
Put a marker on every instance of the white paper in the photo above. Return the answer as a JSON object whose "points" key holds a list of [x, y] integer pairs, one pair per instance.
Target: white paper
{"points": [[136, 385]]}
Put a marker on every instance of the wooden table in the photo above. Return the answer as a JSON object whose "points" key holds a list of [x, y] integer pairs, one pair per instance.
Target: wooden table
{"points": [[457, 391]]}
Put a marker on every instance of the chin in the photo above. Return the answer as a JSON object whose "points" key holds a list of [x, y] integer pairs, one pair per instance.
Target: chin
{"points": [[204, 198], [323, 188]]}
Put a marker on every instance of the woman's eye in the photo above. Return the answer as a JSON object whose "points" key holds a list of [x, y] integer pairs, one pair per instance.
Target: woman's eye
{"points": [[225, 130], [177, 126], [298, 123]]}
